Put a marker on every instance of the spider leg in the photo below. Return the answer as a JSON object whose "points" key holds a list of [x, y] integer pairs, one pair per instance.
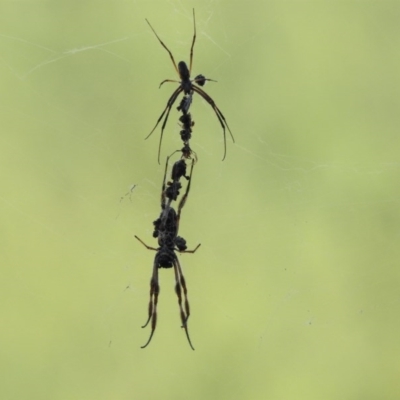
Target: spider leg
{"points": [[154, 292], [184, 197], [167, 110], [164, 186], [168, 80], [190, 251], [165, 47], [179, 285], [194, 39], [201, 80], [210, 101], [169, 105], [145, 245], [178, 291], [218, 113]]}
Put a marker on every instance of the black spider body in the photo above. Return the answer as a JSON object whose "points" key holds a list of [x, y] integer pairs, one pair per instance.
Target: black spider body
{"points": [[166, 229]]}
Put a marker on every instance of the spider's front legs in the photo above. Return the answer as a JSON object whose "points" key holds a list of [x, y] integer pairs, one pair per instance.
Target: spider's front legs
{"points": [[184, 197], [154, 292], [165, 47], [179, 285]]}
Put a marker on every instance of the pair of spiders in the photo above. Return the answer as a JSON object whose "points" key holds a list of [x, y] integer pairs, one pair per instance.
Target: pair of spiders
{"points": [[166, 227]]}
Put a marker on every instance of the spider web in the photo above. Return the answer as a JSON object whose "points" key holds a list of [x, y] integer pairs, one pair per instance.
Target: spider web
{"points": [[297, 269]]}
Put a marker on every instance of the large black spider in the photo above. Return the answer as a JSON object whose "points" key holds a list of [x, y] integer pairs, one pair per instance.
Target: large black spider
{"points": [[187, 86], [166, 229]]}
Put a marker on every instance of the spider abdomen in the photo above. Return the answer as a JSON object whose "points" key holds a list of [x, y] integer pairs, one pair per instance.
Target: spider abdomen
{"points": [[165, 259]]}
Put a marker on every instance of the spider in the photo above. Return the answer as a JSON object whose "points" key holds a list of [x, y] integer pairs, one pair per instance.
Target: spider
{"points": [[169, 242], [187, 86]]}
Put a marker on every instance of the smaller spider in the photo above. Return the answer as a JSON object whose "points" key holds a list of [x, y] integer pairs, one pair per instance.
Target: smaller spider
{"points": [[166, 230], [187, 86]]}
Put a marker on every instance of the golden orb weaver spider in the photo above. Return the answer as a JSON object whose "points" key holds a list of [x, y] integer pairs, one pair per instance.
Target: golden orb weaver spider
{"points": [[187, 86]]}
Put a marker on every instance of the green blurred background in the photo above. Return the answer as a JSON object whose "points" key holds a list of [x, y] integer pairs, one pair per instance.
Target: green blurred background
{"points": [[295, 289]]}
